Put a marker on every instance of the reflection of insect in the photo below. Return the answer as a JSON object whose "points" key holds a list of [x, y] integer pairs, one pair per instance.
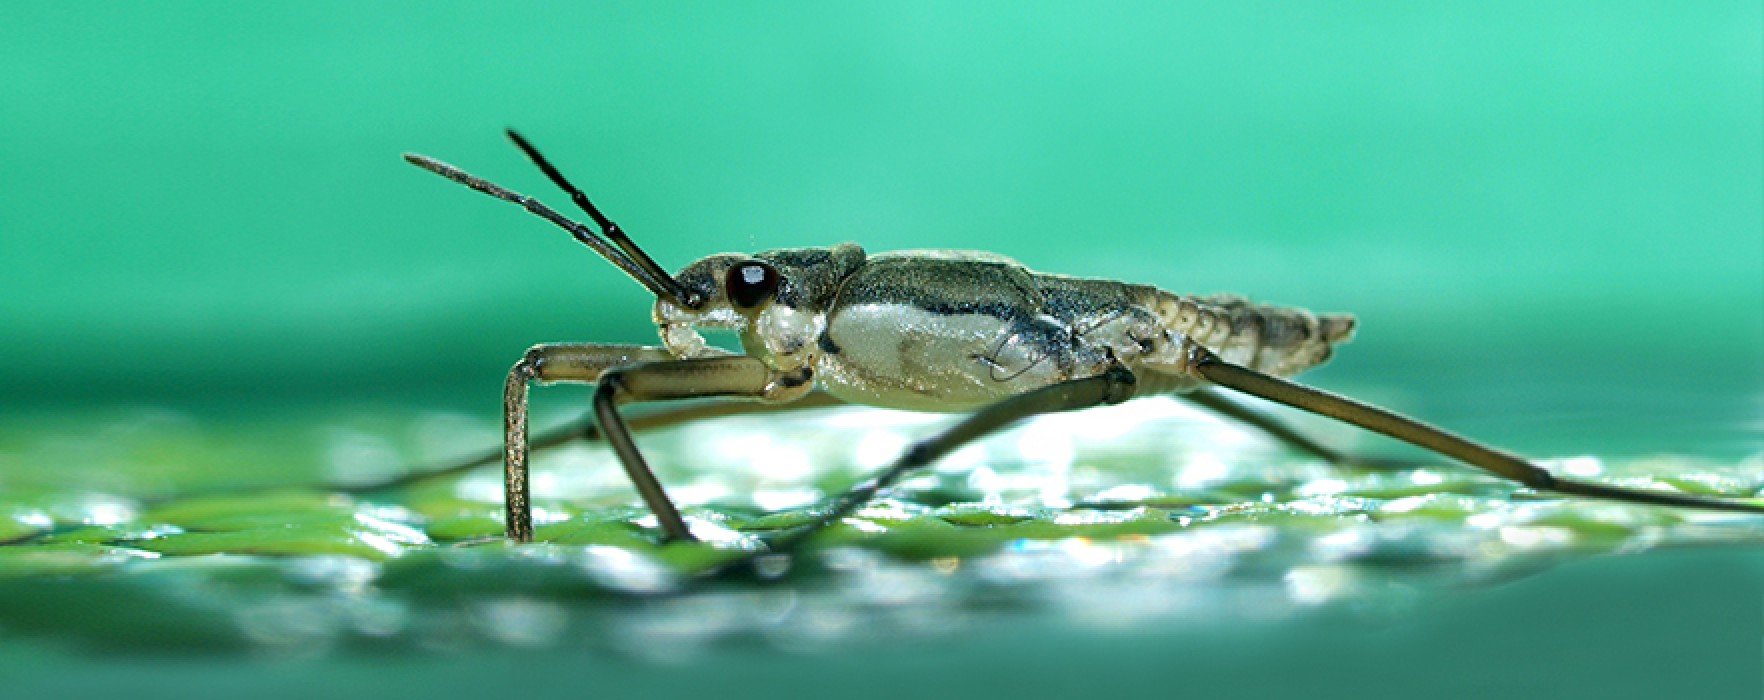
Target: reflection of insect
{"points": [[940, 330]]}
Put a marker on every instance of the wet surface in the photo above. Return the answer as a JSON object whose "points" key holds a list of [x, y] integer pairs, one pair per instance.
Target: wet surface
{"points": [[1123, 518]]}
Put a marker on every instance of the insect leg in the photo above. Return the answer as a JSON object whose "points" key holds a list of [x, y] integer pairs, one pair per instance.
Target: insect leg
{"points": [[1213, 400], [1203, 363], [585, 429], [558, 362], [734, 376], [1114, 386]]}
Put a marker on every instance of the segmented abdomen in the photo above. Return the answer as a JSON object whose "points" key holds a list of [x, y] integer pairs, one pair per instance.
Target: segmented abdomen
{"points": [[1278, 340]]}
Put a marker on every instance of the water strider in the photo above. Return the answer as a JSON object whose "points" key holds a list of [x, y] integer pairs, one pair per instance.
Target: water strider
{"points": [[939, 330]]}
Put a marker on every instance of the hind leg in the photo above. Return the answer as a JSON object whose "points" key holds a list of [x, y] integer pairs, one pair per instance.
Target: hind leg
{"points": [[1203, 364], [1215, 401]]}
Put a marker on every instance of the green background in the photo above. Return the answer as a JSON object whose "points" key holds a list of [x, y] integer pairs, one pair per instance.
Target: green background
{"points": [[1547, 217]]}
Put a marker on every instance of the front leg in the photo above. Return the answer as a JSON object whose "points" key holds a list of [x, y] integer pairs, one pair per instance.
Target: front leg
{"points": [[552, 362], [585, 429], [626, 374]]}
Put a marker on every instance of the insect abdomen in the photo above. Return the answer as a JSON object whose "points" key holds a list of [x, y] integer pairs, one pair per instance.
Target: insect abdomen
{"points": [[1278, 340]]}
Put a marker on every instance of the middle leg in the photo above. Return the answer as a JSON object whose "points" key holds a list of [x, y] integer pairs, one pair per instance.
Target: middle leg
{"points": [[1111, 387]]}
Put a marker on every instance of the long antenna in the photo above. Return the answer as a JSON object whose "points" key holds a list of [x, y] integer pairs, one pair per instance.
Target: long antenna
{"points": [[668, 289], [607, 226]]}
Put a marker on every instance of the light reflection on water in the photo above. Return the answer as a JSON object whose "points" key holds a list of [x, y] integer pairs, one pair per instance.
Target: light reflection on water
{"points": [[1177, 520]]}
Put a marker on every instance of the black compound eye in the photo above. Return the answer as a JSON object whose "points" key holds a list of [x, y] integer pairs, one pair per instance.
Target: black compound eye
{"points": [[751, 283]]}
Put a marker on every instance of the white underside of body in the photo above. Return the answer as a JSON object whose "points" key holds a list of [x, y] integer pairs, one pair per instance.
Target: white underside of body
{"points": [[903, 357]]}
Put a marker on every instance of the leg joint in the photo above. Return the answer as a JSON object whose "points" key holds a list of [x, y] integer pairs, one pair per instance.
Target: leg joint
{"points": [[531, 364], [1122, 385], [610, 387]]}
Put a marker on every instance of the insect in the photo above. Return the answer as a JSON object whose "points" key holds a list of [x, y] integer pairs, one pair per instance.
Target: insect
{"points": [[938, 330]]}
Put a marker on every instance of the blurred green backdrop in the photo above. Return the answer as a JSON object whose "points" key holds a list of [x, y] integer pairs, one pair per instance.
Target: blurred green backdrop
{"points": [[208, 201], [1548, 216]]}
